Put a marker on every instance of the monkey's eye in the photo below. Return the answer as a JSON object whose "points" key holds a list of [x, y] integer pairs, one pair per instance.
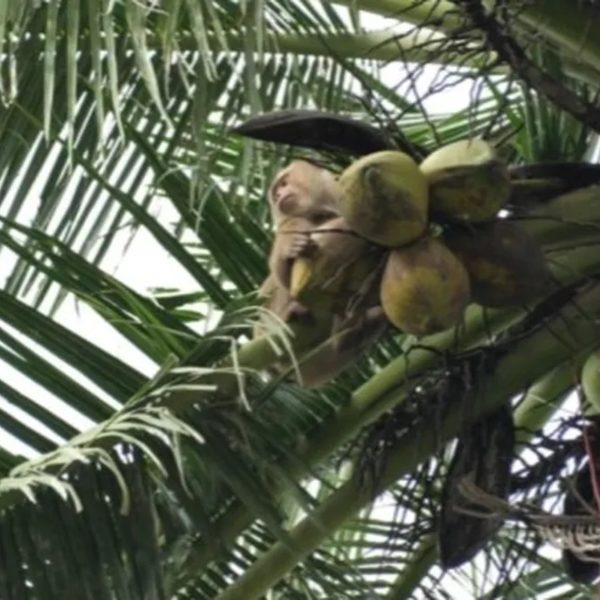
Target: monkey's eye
{"points": [[321, 217]]}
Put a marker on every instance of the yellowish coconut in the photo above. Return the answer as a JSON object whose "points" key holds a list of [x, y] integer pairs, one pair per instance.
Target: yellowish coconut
{"points": [[505, 264], [467, 182], [425, 288], [385, 198], [341, 267]]}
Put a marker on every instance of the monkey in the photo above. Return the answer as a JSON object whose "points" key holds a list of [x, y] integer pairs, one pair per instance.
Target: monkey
{"points": [[303, 199]]}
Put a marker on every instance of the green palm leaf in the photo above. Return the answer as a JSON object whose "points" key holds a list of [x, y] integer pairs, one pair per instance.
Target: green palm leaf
{"points": [[196, 477]]}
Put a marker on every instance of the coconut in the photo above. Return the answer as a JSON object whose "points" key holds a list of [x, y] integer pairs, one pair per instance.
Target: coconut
{"points": [[467, 182], [505, 264], [385, 198], [425, 288]]}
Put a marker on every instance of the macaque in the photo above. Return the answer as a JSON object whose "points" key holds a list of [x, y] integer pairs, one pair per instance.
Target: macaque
{"points": [[303, 200], [302, 197]]}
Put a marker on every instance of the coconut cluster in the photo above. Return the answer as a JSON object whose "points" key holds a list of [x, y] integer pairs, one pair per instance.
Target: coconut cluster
{"points": [[431, 274]]}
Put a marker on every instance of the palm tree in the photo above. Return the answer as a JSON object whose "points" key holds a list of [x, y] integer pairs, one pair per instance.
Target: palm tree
{"points": [[145, 455]]}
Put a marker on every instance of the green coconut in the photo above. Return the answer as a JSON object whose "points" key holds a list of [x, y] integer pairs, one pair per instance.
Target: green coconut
{"points": [[467, 182], [385, 198], [425, 288], [505, 264]]}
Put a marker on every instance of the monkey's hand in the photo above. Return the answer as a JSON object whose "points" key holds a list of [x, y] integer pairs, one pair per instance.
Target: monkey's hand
{"points": [[300, 244], [287, 248]]}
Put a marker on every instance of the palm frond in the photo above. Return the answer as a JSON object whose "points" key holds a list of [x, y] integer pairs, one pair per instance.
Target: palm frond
{"points": [[208, 479]]}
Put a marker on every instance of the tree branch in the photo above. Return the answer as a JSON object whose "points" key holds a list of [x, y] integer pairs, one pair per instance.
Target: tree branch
{"points": [[510, 52]]}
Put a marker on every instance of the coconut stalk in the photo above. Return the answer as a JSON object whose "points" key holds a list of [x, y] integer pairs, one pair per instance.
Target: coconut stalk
{"points": [[384, 46], [423, 559], [574, 27], [367, 404], [552, 345], [544, 398], [420, 45], [573, 218], [439, 14]]}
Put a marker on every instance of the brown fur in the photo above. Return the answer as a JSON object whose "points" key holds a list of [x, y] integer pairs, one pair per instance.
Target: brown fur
{"points": [[302, 197]]}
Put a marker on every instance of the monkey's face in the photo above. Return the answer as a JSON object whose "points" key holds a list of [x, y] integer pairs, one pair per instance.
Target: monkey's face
{"points": [[304, 190]]}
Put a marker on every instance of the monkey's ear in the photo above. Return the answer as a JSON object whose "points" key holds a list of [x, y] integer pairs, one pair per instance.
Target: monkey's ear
{"points": [[316, 130]]}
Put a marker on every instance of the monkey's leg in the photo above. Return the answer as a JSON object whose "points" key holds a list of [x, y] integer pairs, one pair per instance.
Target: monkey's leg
{"points": [[343, 347]]}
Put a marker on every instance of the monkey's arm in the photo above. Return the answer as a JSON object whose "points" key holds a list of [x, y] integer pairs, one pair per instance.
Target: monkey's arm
{"points": [[288, 246]]}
